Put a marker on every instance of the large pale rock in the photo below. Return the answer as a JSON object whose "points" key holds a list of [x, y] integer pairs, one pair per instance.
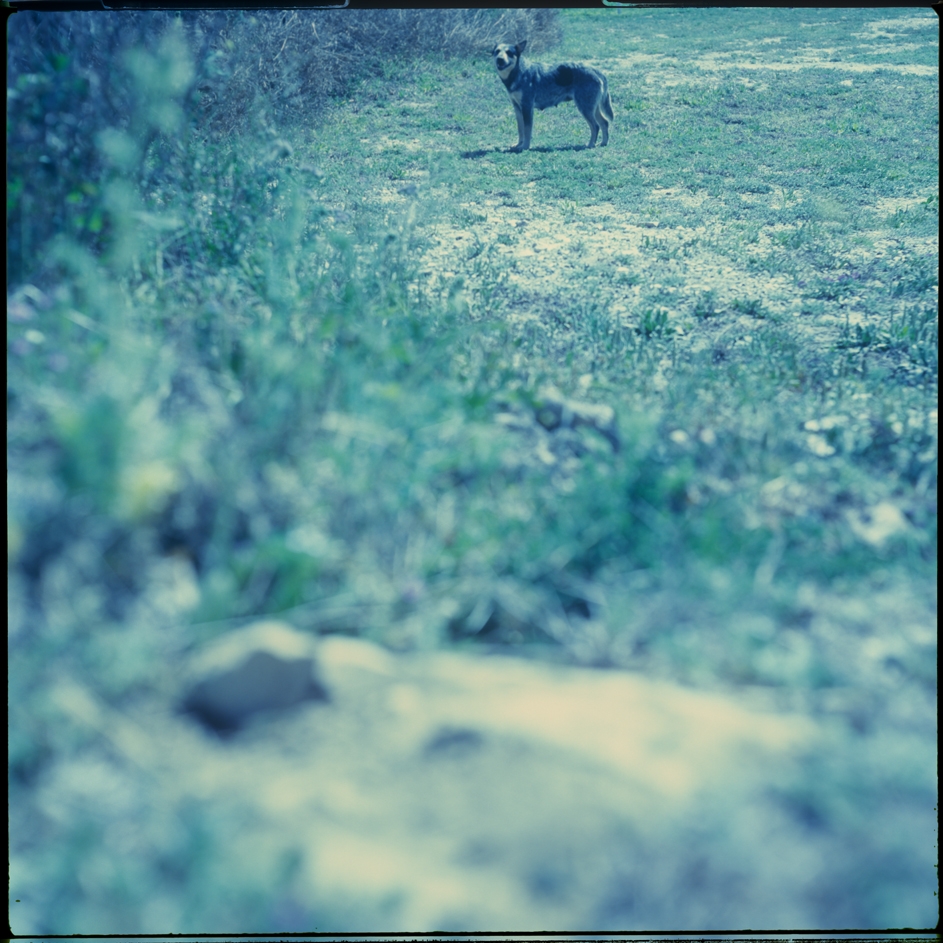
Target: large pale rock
{"points": [[267, 666], [445, 791]]}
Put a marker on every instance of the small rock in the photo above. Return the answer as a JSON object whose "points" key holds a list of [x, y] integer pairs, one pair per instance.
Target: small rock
{"points": [[453, 741], [280, 151], [554, 411], [876, 524], [265, 666]]}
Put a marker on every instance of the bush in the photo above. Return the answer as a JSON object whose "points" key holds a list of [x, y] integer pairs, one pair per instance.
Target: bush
{"points": [[208, 76]]}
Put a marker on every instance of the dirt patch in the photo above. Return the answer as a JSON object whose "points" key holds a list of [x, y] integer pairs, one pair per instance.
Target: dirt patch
{"points": [[892, 27], [551, 247], [817, 59]]}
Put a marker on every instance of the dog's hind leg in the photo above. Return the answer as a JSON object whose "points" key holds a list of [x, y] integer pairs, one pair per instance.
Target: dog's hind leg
{"points": [[606, 104], [604, 110], [587, 101], [589, 110], [603, 121]]}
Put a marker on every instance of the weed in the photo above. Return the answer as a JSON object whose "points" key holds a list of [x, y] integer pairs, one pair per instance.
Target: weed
{"points": [[914, 331], [752, 307], [706, 306], [653, 321], [806, 233]]}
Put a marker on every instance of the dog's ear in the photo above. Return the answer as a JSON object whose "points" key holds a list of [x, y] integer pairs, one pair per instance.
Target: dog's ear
{"points": [[521, 45]]}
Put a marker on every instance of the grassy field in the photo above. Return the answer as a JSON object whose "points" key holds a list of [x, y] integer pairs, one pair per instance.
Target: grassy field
{"points": [[360, 375], [747, 276]]}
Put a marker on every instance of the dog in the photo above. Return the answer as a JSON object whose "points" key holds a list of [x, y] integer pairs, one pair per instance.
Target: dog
{"points": [[543, 87]]}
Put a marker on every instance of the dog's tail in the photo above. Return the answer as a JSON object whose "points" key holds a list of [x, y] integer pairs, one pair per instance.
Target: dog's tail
{"points": [[606, 105]]}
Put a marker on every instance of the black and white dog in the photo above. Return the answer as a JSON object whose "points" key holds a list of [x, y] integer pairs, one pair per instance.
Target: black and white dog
{"points": [[538, 86]]}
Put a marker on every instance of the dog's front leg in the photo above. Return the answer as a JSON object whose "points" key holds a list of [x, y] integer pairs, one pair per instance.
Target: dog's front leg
{"points": [[523, 133], [525, 125]]}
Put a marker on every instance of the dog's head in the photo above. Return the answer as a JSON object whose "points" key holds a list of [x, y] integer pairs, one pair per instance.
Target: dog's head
{"points": [[506, 57]]}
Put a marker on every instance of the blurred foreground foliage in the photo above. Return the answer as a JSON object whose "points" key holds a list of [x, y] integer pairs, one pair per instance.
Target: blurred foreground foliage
{"points": [[220, 402]]}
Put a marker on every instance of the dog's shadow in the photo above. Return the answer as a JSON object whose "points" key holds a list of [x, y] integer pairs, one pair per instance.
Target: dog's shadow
{"points": [[563, 147], [474, 155]]}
